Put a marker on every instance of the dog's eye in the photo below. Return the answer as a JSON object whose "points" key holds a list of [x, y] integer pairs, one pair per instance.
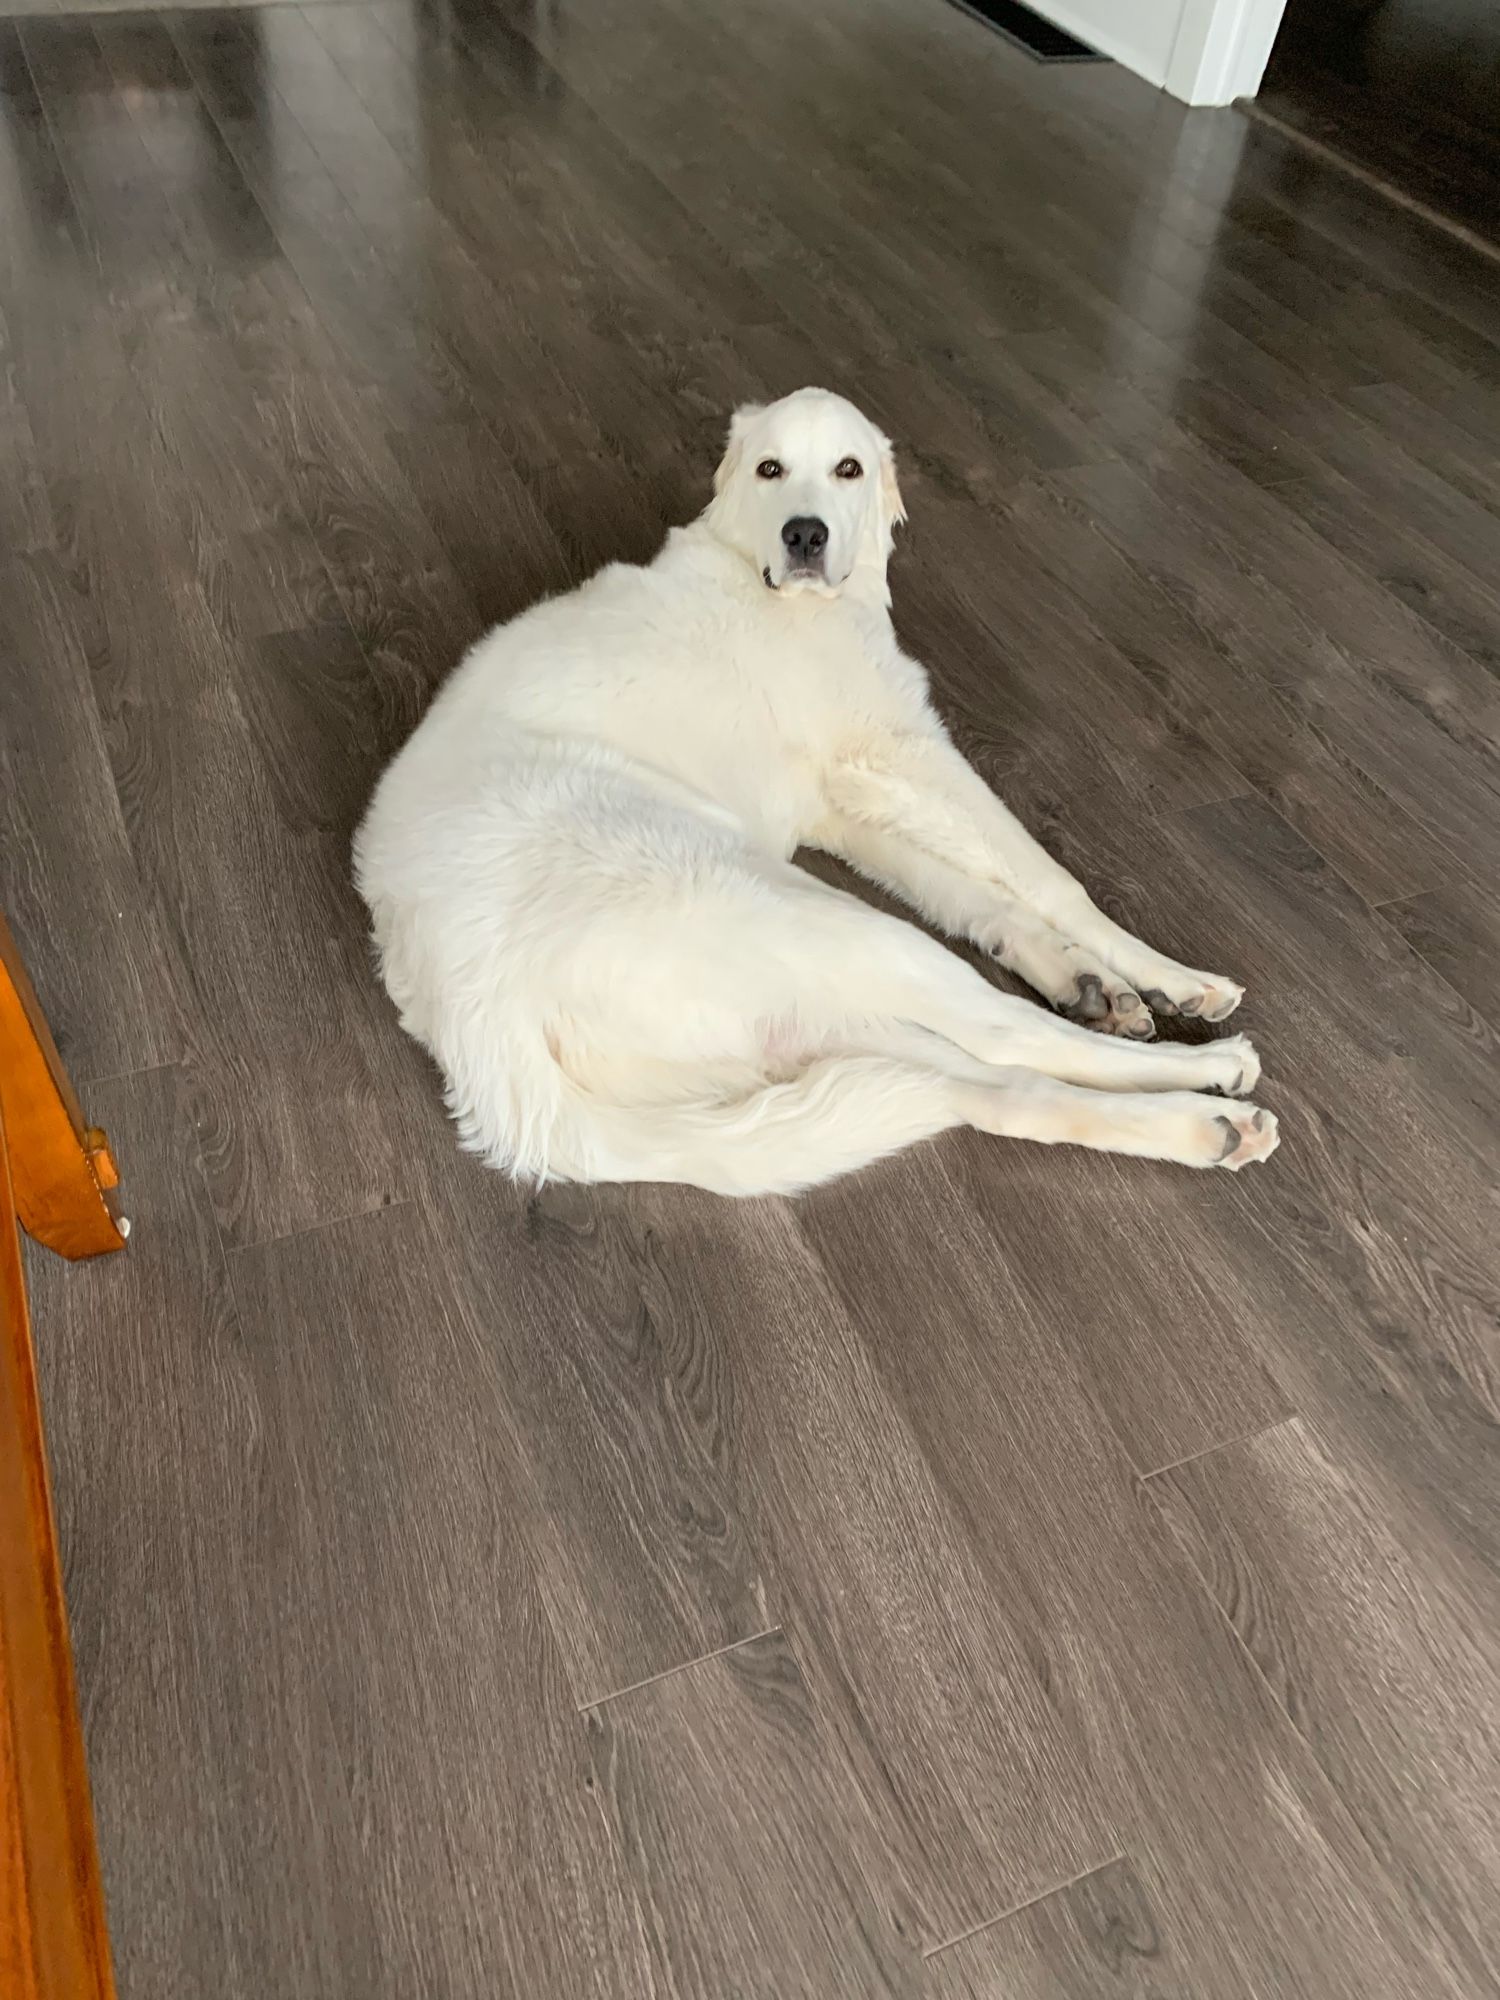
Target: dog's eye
{"points": [[848, 468], [769, 468]]}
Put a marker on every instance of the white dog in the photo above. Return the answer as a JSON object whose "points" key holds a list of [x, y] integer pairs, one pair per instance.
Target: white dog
{"points": [[580, 871]]}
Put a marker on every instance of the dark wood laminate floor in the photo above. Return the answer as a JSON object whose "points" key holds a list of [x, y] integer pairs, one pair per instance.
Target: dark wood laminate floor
{"points": [[1008, 1573]]}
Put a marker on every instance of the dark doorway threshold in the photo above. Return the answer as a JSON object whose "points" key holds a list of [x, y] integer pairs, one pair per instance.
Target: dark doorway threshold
{"points": [[1041, 39], [1406, 93]]}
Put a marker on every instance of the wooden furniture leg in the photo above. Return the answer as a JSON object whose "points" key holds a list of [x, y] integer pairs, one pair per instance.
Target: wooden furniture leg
{"points": [[65, 1180], [53, 1944], [58, 1179]]}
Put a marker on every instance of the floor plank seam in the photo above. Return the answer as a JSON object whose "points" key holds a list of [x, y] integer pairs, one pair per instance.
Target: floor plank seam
{"points": [[1266, 798], [1401, 1897], [1030, 1902], [1244, 790], [87, 1082], [1220, 1444], [1254, 794], [1309, 536], [255, 1243], [1378, 911], [683, 1667], [1440, 639]]}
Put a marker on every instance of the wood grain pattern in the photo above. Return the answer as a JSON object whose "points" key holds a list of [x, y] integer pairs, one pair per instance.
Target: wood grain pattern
{"points": [[1436, 437], [1389, 1673], [1295, 909], [1436, 562], [1414, 1060], [345, 1718], [401, 1737], [68, 879], [734, 1432], [1398, 730], [163, 1489], [243, 907], [1098, 1939], [757, 1870], [1149, 1682], [1455, 928], [619, 1417], [1192, 661], [1162, 1326], [1374, 1282]]}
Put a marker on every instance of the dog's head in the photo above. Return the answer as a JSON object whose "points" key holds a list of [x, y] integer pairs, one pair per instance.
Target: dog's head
{"points": [[806, 492]]}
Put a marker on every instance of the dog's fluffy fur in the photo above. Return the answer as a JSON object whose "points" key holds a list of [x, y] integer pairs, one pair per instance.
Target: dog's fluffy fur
{"points": [[585, 905]]}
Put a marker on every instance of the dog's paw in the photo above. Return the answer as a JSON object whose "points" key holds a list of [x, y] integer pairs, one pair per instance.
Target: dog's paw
{"points": [[1230, 1066], [1245, 1134], [1202, 996], [1101, 1001]]}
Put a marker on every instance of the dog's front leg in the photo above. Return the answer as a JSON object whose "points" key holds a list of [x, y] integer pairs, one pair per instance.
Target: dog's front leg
{"points": [[910, 811], [968, 906]]}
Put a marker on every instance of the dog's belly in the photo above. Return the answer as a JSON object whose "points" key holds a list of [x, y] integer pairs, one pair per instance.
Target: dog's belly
{"points": [[616, 1055]]}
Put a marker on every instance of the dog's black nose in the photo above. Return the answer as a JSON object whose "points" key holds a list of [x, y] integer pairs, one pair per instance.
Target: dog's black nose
{"points": [[804, 538]]}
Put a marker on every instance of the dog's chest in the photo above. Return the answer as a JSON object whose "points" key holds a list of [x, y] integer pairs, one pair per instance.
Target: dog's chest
{"points": [[790, 703], [808, 675]]}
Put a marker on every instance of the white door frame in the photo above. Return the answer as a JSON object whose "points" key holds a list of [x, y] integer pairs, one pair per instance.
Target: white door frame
{"points": [[1222, 48], [1203, 51]]}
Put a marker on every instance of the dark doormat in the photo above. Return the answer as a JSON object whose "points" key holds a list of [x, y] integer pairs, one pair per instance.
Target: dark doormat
{"points": [[1030, 32]]}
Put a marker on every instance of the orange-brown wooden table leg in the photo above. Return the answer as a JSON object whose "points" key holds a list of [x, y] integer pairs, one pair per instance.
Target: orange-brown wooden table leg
{"points": [[66, 1182], [53, 1944]]}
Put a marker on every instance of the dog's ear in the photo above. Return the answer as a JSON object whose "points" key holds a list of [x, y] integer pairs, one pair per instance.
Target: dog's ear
{"points": [[892, 506], [739, 424]]}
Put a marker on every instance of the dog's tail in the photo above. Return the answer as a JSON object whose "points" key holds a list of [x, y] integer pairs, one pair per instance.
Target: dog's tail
{"points": [[840, 1113]]}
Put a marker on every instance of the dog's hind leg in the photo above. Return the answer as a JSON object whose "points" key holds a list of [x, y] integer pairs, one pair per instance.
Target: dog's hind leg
{"points": [[1071, 1054], [1161, 1113], [846, 1111], [1181, 1126], [898, 1040], [840, 1113]]}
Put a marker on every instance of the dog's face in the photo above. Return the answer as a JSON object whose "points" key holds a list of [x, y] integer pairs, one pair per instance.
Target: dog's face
{"points": [[807, 493]]}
